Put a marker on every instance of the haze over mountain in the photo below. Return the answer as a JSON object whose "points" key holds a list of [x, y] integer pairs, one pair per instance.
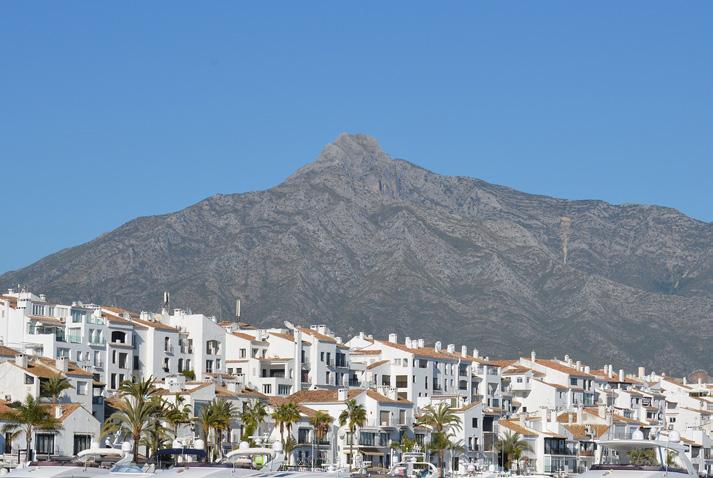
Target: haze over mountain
{"points": [[359, 241]]}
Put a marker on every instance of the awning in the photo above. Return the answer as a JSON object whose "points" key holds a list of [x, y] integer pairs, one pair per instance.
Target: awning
{"points": [[368, 451]]}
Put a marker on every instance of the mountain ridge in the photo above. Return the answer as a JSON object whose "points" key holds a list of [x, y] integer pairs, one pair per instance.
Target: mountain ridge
{"points": [[355, 237]]}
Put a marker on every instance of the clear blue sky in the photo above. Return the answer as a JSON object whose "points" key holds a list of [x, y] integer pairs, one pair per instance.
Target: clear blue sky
{"points": [[112, 110]]}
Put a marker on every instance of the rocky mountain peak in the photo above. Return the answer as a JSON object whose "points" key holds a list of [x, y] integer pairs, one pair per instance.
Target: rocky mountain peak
{"points": [[362, 242]]}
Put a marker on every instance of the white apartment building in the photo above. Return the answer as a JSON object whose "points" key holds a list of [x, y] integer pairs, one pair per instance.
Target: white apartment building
{"points": [[202, 339]]}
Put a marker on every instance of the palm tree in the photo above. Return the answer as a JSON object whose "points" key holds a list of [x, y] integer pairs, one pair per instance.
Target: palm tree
{"points": [[206, 421], [141, 390], [178, 413], [441, 420], [252, 416], [512, 446], [405, 445], [285, 415], [320, 421], [26, 417], [353, 416], [223, 414], [288, 446], [132, 417], [54, 387]]}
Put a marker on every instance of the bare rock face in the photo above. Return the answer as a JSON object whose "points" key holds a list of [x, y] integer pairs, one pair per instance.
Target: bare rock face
{"points": [[360, 241]]}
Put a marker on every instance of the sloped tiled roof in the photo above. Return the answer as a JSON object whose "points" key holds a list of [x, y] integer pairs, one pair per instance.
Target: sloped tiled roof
{"points": [[321, 396], [245, 336], [428, 352], [317, 335], [7, 351], [579, 432], [517, 427], [374, 395], [560, 367], [377, 364], [288, 337]]}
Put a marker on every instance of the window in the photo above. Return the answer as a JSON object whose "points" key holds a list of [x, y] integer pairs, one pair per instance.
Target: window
{"points": [[122, 360], [112, 383], [267, 388], [77, 316], [283, 389], [166, 364], [573, 381], [118, 337], [74, 335], [402, 417], [386, 380], [303, 435], [82, 388], [474, 422], [167, 344], [217, 364], [384, 418], [243, 353], [81, 442], [137, 365], [180, 365], [209, 366], [29, 379], [321, 356], [97, 359], [519, 380], [44, 443]]}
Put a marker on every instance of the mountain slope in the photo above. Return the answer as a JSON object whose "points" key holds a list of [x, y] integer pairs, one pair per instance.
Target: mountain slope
{"points": [[358, 240]]}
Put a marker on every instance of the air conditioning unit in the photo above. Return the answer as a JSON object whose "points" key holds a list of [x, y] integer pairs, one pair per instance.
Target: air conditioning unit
{"points": [[8, 398]]}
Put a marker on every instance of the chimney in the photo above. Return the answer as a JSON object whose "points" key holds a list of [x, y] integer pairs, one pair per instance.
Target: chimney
{"points": [[578, 366], [580, 414], [685, 381], [407, 342], [393, 338], [58, 411], [437, 346], [451, 348], [610, 372], [43, 297], [361, 335], [533, 356], [475, 352], [567, 359], [642, 372], [622, 377], [421, 343], [21, 360], [62, 364], [587, 369], [342, 394], [464, 351]]}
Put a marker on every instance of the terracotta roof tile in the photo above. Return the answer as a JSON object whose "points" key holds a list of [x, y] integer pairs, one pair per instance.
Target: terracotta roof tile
{"points": [[517, 427], [322, 396], [377, 364], [7, 351], [317, 335]]}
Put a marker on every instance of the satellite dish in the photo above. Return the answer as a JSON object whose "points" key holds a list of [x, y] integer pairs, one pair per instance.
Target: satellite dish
{"points": [[674, 437], [637, 435], [289, 325]]}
